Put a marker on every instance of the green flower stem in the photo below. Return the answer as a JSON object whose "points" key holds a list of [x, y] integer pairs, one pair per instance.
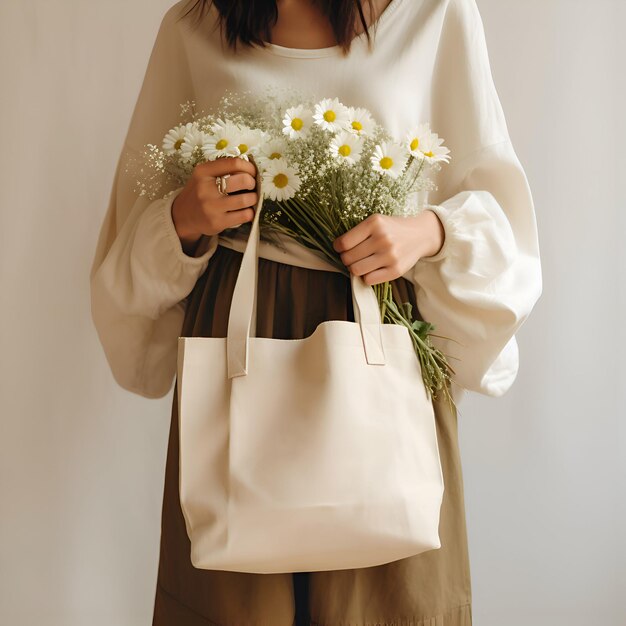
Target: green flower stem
{"points": [[299, 215], [419, 171], [436, 372], [322, 242]]}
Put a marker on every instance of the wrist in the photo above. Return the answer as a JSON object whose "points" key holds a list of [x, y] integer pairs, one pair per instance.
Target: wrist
{"points": [[188, 237], [437, 231]]}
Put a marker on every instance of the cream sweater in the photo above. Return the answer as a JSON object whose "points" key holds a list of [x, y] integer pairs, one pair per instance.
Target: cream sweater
{"points": [[429, 63]]}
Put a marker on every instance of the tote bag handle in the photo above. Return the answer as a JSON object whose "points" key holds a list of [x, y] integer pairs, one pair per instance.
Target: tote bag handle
{"points": [[242, 315]]}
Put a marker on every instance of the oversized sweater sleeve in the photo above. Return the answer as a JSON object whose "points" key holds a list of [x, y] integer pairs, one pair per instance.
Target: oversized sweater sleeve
{"points": [[482, 285], [140, 275]]}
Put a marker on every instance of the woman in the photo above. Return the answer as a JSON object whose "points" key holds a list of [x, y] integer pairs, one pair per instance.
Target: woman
{"points": [[469, 264]]}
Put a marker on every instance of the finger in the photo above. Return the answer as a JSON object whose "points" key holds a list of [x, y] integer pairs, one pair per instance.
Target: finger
{"points": [[238, 217], [238, 181], [234, 183], [368, 264], [357, 234], [225, 165], [238, 201], [380, 275], [360, 251]]}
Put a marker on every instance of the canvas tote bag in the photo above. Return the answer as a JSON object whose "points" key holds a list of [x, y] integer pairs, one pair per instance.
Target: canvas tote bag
{"points": [[305, 454]]}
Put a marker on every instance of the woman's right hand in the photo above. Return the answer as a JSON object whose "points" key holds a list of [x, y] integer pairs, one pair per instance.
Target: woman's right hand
{"points": [[200, 209]]}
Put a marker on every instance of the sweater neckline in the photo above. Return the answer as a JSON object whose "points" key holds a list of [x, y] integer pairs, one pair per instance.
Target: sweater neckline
{"points": [[312, 53]]}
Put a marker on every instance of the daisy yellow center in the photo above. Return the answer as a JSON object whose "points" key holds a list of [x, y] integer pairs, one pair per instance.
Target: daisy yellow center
{"points": [[178, 144], [357, 125], [297, 123], [243, 148], [429, 154], [415, 143], [281, 180], [330, 116], [221, 144], [275, 155], [386, 162], [344, 150]]}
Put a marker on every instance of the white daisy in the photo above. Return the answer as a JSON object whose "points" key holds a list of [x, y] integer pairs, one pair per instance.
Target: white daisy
{"points": [[173, 141], [193, 142], [389, 158], [433, 151], [331, 115], [223, 140], [280, 180], [360, 121], [417, 137], [250, 141], [273, 149], [297, 122], [346, 147]]}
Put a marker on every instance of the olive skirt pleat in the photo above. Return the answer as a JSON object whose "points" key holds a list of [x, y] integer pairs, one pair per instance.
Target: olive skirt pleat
{"points": [[429, 589]]}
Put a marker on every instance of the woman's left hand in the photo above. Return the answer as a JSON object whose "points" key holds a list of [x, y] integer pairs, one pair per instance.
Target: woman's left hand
{"points": [[384, 247]]}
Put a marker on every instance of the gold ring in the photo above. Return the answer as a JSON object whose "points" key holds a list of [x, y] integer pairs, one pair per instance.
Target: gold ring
{"points": [[220, 182]]}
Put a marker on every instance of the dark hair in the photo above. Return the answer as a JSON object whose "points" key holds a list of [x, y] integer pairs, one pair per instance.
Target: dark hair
{"points": [[250, 21]]}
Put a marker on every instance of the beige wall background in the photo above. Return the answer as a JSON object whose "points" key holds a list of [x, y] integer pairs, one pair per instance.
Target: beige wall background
{"points": [[82, 461]]}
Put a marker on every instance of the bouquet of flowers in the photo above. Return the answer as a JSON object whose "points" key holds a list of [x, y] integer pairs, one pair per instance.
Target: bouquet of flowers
{"points": [[325, 168]]}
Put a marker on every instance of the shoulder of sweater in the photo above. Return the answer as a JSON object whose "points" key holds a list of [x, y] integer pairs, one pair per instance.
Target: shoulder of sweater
{"points": [[179, 12], [178, 9]]}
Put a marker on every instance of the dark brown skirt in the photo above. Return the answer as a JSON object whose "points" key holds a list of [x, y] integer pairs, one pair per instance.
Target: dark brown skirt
{"points": [[428, 589]]}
